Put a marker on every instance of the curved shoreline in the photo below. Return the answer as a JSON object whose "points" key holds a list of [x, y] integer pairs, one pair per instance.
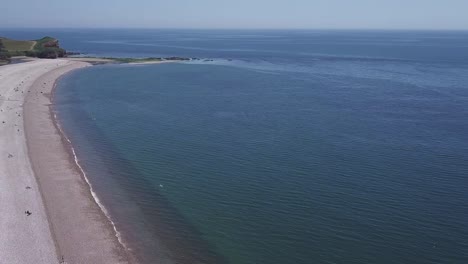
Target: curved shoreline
{"points": [[69, 146], [82, 230]]}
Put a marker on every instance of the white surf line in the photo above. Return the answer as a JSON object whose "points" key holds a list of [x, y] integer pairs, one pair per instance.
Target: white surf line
{"points": [[93, 193]]}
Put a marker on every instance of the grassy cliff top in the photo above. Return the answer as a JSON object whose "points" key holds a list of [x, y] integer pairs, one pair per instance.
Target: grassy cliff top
{"points": [[13, 45], [17, 45], [46, 47]]}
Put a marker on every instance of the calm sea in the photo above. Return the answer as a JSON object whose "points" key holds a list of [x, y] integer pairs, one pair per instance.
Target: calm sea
{"points": [[289, 147]]}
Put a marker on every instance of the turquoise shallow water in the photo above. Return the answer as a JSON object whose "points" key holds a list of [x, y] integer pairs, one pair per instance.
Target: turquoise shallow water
{"points": [[356, 156]]}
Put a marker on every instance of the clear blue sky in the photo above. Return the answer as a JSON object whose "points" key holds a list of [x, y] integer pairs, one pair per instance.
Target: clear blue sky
{"points": [[362, 14]]}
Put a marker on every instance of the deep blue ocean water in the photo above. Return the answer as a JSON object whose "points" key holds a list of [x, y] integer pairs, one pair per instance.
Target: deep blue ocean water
{"points": [[288, 147]]}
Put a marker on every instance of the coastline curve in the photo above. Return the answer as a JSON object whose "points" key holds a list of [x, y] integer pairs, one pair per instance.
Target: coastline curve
{"points": [[80, 225]]}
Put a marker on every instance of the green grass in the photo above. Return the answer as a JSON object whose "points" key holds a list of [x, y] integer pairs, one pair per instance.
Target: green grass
{"points": [[46, 47], [18, 45], [39, 44], [129, 60], [15, 46]]}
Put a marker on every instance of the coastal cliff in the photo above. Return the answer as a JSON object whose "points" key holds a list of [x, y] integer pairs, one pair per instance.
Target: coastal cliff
{"points": [[46, 47]]}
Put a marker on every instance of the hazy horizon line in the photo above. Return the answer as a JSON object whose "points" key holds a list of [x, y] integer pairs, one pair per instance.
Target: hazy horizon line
{"points": [[233, 28]]}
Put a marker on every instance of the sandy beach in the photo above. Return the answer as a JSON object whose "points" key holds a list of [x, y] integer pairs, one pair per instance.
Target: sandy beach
{"points": [[47, 211]]}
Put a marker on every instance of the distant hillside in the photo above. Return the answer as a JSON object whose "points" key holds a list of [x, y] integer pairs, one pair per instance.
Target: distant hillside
{"points": [[4, 55], [46, 47]]}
